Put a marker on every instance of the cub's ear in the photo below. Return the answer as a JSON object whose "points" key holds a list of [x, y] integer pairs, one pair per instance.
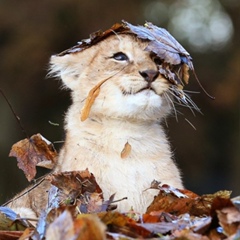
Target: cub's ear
{"points": [[69, 67], [63, 67]]}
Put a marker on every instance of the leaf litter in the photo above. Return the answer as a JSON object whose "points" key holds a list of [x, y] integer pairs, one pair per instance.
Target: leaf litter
{"points": [[77, 210]]}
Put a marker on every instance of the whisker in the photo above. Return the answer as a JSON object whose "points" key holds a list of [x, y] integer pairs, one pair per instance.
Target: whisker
{"points": [[189, 91], [195, 107], [165, 120], [116, 34], [171, 104], [184, 99], [190, 124]]}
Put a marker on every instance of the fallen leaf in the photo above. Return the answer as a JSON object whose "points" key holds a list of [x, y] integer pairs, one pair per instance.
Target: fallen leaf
{"points": [[229, 220], [126, 150], [188, 235], [177, 201], [78, 188], [32, 152], [26, 234], [10, 235], [90, 203], [61, 228], [236, 202], [115, 218], [119, 223], [9, 220], [88, 227]]}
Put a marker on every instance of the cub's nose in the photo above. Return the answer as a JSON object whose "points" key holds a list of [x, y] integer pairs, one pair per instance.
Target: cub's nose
{"points": [[149, 75]]}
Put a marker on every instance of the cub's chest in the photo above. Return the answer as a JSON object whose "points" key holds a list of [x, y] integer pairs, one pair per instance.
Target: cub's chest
{"points": [[112, 144]]}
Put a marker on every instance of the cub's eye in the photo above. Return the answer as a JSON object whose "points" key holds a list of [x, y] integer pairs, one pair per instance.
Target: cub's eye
{"points": [[120, 56], [158, 61]]}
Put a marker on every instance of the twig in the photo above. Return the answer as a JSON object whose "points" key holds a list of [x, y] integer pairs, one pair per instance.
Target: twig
{"points": [[15, 115]]}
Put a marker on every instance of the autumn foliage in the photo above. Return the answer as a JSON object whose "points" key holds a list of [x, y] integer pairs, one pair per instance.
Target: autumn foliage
{"points": [[77, 209]]}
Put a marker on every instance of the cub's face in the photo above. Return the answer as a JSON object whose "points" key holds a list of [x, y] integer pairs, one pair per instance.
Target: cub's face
{"points": [[133, 90]]}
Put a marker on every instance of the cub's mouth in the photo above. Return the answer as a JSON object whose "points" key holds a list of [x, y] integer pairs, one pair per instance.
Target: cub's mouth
{"points": [[146, 89]]}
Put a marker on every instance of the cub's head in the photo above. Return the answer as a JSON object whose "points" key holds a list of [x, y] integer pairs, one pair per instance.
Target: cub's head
{"points": [[132, 85]]}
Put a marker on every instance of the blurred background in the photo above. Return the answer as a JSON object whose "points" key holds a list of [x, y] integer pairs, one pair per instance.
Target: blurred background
{"points": [[31, 31]]}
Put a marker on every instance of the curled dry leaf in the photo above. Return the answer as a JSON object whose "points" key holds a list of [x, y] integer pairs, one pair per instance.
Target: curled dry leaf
{"points": [[61, 228], [176, 201], [78, 188], [91, 203], [119, 223], [84, 227], [32, 152], [126, 150], [229, 220], [80, 181]]}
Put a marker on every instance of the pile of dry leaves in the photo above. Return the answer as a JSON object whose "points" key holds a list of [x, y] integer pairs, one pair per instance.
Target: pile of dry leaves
{"points": [[77, 210]]}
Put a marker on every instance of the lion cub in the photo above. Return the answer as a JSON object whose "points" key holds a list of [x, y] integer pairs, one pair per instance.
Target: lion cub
{"points": [[127, 112], [119, 138]]}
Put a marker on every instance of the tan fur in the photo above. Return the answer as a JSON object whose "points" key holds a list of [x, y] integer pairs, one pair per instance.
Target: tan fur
{"points": [[119, 115], [116, 119]]}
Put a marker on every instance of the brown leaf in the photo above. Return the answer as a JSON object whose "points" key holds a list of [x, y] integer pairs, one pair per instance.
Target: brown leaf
{"points": [[10, 235], [119, 223], [61, 228], [32, 152], [89, 102], [90, 203], [170, 200], [208, 203], [178, 202], [229, 219], [114, 218], [26, 234], [77, 188], [88, 227], [93, 93], [75, 181], [126, 150], [185, 73], [188, 235]]}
